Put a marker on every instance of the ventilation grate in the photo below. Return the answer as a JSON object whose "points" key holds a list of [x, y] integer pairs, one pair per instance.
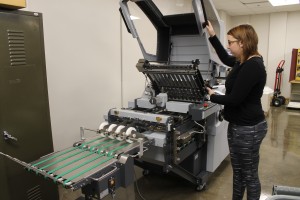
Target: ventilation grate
{"points": [[34, 193], [16, 45]]}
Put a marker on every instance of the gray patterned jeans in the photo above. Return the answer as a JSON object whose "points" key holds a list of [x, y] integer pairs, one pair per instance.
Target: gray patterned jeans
{"points": [[244, 143]]}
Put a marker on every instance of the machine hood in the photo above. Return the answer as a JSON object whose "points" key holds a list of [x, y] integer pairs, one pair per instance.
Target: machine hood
{"points": [[172, 30]]}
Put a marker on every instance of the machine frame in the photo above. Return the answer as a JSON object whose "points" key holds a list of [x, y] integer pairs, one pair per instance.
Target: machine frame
{"points": [[171, 128]]}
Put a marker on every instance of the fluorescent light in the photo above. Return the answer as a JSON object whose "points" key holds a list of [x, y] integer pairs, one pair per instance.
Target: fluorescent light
{"points": [[133, 17], [283, 2]]}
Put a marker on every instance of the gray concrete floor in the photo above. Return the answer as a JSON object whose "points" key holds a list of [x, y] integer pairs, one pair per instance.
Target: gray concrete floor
{"points": [[279, 165]]}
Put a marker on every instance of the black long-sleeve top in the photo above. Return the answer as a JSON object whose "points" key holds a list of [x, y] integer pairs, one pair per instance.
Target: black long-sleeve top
{"points": [[244, 88]]}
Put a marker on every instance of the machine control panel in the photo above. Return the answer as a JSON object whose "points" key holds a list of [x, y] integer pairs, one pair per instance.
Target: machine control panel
{"points": [[202, 110]]}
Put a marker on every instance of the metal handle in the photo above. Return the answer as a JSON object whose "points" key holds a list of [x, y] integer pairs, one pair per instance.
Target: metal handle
{"points": [[8, 136], [105, 175]]}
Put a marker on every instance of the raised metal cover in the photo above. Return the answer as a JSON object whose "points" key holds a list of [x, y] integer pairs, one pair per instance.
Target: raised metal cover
{"points": [[182, 82]]}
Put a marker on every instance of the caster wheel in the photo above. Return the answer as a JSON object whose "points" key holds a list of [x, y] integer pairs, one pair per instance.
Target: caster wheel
{"points": [[146, 172], [276, 102], [201, 187], [282, 98]]}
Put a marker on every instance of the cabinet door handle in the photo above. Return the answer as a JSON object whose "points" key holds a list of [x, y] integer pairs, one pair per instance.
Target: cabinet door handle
{"points": [[8, 136]]}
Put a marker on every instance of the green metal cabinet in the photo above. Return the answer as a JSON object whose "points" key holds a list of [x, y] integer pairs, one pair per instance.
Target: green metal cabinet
{"points": [[24, 106]]}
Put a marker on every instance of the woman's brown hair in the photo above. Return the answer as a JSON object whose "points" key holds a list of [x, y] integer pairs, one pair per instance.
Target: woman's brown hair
{"points": [[246, 34]]}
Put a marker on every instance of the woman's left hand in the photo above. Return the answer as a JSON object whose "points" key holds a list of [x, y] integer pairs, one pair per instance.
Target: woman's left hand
{"points": [[210, 91], [210, 29]]}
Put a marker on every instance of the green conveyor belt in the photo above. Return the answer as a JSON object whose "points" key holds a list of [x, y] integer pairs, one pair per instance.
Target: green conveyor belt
{"points": [[62, 159], [79, 160], [93, 147], [116, 149], [69, 163], [106, 146], [88, 169], [54, 156], [77, 167], [67, 151], [89, 142]]}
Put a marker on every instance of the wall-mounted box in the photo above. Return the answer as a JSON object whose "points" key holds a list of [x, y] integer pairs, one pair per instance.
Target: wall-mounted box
{"points": [[13, 4], [294, 60], [297, 75]]}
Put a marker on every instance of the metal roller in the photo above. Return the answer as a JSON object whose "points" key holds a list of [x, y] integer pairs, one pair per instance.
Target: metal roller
{"points": [[285, 190], [102, 125], [129, 131]]}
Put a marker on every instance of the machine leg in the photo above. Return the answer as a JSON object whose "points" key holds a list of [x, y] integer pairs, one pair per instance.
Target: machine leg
{"points": [[130, 192], [146, 172], [88, 197], [200, 187]]}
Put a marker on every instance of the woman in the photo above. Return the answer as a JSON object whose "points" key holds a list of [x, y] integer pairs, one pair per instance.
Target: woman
{"points": [[242, 106]]}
